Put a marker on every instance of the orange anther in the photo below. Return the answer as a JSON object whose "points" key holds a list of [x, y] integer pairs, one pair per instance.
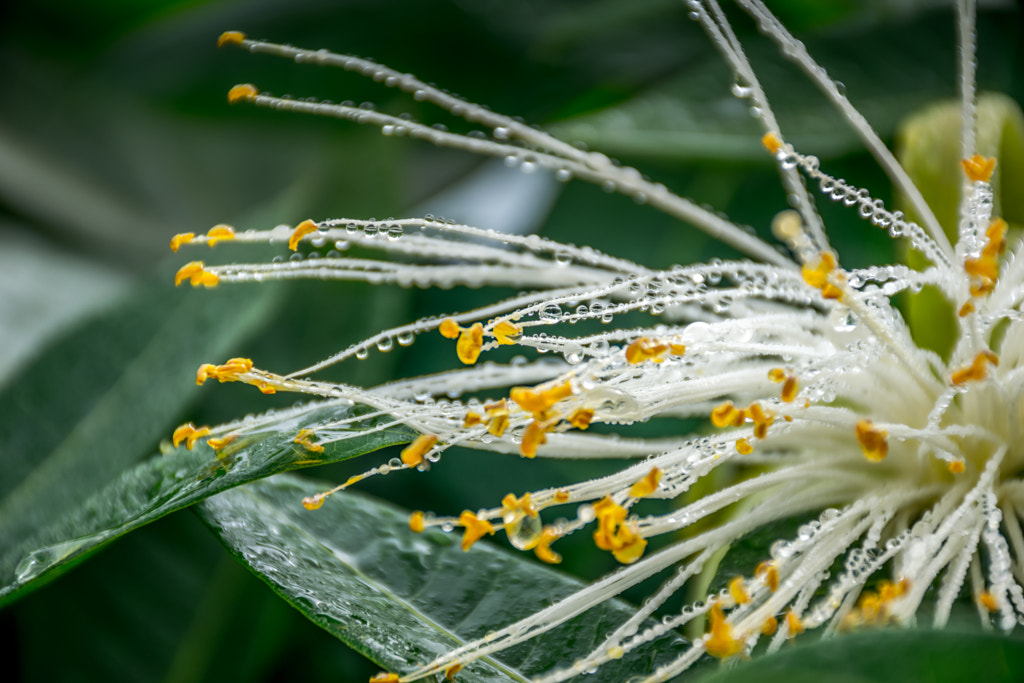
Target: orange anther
{"points": [[643, 349], [217, 444], [180, 239], [988, 601], [873, 441], [475, 528], [471, 419], [978, 168], [314, 502], [824, 275], [242, 93], [738, 591], [469, 344], [417, 522], [230, 38], [777, 375], [772, 142], [449, 673], [303, 439], [770, 626], [743, 447], [768, 572], [301, 230], [449, 328], [533, 437], [188, 272], [220, 233], [977, 370], [794, 624], [543, 549], [726, 414], [581, 417], [720, 641], [789, 389], [506, 332], [647, 485], [562, 496], [412, 455], [385, 677], [957, 466]]}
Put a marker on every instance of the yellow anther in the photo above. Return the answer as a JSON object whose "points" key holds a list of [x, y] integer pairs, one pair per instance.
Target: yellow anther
{"points": [[264, 387], [192, 271], [180, 239], [230, 38], [647, 485], [475, 528], [677, 349], [768, 572], [417, 522], [562, 496], [873, 441], [449, 673], [470, 341], [449, 328], [471, 419], [720, 641], [957, 466], [537, 400], [738, 591], [303, 439], [770, 626], [543, 549], [794, 624], [314, 502], [643, 349], [220, 233], [982, 267], [726, 414], [412, 455], [824, 276], [189, 433], [385, 677], [518, 506], [217, 444], [616, 652], [507, 332], [301, 230], [761, 418], [790, 386], [615, 534], [988, 601], [743, 447], [243, 92], [978, 168], [533, 437], [976, 371], [772, 142], [631, 550], [497, 417], [581, 417], [228, 372]]}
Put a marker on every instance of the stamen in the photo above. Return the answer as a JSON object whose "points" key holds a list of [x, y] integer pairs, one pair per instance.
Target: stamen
{"points": [[978, 168], [412, 455], [873, 441], [244, 92], [720, 641], [475, 528]]}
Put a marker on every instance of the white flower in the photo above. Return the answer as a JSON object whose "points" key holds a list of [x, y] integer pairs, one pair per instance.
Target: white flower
{"points": [[808, 373]]}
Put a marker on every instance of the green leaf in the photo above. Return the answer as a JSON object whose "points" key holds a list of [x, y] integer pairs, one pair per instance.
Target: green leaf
{"points": [[402, 599], [166, 483], [922, 656]]}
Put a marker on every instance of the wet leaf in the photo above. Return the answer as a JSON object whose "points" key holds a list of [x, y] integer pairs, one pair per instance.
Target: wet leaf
{"points": [[166, 483], [401, 598]]}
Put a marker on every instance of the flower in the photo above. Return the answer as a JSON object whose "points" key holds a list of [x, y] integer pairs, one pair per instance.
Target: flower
{"points": [[904, 462]]}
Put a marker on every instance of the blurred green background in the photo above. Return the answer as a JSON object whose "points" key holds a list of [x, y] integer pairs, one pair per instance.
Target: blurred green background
{"points": [[115, 134]]}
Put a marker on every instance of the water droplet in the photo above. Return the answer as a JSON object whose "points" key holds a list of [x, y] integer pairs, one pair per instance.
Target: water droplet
{"points": [[524, 533]]}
